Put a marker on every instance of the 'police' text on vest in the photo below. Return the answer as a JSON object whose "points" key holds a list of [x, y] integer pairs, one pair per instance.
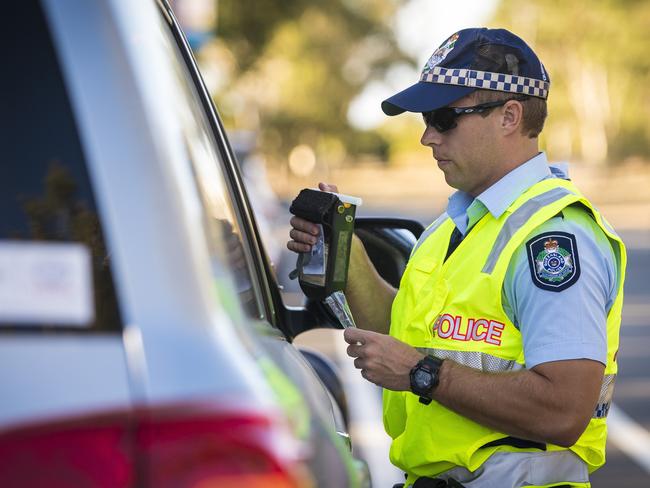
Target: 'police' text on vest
{"points": [[481, 330]]}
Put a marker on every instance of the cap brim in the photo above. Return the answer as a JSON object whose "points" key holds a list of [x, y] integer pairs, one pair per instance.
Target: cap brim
{"points": [[424, 97]]}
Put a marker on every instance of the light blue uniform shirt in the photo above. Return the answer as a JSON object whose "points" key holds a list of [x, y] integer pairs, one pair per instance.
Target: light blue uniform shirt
{"points": [[572, 323]]}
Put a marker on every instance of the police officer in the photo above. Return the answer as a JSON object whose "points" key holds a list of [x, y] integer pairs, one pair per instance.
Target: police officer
{"points": [[497, 354]]}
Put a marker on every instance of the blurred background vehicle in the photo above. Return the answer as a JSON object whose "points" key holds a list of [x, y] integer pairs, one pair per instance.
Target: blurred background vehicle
{"points": [[304, 81], [142, 339]]}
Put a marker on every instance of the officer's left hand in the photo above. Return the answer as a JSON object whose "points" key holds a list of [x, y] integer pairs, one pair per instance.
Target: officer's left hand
{"points": [[382, 359]]}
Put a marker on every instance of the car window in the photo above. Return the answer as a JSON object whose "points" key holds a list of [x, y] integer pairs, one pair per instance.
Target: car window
{"points": [[226, 240], [55, 268]]}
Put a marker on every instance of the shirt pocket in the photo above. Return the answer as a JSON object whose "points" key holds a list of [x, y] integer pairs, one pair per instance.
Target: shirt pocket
{"points": [[429, 292]]}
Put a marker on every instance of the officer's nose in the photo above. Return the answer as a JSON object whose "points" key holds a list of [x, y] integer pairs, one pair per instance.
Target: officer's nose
{"points": [[430, 136]]}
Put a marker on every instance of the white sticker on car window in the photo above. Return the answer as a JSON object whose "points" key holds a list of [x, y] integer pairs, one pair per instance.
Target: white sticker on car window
{"points": [[46, 283]]}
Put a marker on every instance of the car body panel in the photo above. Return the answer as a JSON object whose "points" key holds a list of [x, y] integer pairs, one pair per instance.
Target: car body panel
{"points": [[143, 118], [145, 188], [46, 380]]}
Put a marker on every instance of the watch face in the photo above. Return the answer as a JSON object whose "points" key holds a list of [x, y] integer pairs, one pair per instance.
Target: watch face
{"points": [[423, 379]]}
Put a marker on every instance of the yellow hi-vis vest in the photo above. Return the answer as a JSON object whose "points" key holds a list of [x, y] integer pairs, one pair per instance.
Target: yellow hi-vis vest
{"points": [[452, 309]]}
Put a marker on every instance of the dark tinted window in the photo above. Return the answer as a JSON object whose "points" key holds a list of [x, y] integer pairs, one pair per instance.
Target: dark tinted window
{"points": [[46, 199]]}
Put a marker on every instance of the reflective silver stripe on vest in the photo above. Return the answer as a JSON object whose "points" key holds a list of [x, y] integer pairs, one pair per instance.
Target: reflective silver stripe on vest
{"points": [[518, 218], [609, 228], [605, 399], [476, 360], [515, 469], [430, 230], [486, 362]]}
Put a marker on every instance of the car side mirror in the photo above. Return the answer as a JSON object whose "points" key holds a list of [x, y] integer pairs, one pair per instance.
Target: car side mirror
{"points": [[388, 242]]}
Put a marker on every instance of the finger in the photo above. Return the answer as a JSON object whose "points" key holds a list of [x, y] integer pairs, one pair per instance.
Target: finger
{"points": [[304, 225], [352, 335], [354, 350], [328, 187], [297, 247], [359, 363], [302, 237]]}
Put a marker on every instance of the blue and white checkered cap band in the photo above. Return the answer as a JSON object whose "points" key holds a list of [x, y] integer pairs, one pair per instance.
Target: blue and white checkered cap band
{"points": [[487, 81]]}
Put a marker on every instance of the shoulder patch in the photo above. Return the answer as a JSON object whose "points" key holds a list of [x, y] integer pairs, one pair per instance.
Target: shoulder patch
{"points": [[553, 260]]}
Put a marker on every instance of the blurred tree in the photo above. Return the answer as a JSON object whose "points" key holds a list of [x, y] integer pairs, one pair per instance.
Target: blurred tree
{"points": [[290, 70], [596, 54]]}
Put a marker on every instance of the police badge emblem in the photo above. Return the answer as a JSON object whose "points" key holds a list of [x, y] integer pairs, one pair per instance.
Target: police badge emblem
{"points": [[553, 260], [441, 53]]}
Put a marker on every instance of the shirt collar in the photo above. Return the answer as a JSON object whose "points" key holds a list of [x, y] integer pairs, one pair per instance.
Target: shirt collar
{"points": [[501, 194], [497, 198]]}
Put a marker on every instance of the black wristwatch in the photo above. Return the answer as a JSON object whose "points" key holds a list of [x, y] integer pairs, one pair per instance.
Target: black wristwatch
{"points": [[424, 378]]}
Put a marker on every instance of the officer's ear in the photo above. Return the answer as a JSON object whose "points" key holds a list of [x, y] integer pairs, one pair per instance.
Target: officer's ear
{"points": [[512, 116]]}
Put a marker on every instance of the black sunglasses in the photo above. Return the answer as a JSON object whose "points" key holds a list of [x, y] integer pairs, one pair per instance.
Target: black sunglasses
{"points": [[444, 119]]}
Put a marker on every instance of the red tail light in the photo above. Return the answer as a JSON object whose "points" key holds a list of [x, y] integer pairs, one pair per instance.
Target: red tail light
{"points": [[199, 448], [181, 447], [95, 452]]}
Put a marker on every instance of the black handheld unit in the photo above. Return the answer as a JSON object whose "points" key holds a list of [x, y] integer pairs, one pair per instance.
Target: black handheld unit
{"points": [[324, 270]]}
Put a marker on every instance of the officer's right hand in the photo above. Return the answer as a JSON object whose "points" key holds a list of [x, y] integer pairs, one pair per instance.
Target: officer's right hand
{"points": [[304, 233]]}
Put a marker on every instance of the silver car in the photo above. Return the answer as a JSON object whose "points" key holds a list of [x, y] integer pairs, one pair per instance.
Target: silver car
{"points": [[143, 341]]}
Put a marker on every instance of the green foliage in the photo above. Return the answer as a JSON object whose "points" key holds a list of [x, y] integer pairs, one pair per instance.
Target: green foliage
{"points": [[299, 64], [596, 52], [248, 25]]}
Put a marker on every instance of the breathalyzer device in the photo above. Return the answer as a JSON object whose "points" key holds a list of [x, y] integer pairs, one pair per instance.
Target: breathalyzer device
{"points": [[322, 272]]}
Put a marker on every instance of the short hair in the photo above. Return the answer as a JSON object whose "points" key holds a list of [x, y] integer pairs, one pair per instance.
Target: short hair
{"points": [[534, 113]]}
